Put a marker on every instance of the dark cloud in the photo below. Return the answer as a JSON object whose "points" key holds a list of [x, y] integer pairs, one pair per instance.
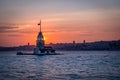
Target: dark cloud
{"points": [[86, 34], [25, 32], [14, 35], [8, 28], [51, 31]]}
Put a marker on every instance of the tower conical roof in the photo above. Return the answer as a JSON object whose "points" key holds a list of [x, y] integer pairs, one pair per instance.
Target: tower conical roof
{"points": [[40, 36]]}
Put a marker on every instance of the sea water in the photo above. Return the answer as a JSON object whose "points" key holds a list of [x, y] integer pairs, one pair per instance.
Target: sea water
{"points": [[70, 65]]}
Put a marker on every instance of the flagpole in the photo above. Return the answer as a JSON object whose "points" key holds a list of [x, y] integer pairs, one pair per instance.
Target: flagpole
{"points": [[40, 25]]}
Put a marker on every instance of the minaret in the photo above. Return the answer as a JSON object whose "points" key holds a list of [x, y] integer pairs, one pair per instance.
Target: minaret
{"points": [[40, 39]]}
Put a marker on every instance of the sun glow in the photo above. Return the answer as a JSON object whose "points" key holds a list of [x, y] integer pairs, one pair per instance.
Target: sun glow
{"points": [[46, 40]]}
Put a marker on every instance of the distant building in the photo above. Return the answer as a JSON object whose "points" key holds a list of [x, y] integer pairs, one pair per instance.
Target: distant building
{"points": [[28, 44], [83, 41], [73, 42]]}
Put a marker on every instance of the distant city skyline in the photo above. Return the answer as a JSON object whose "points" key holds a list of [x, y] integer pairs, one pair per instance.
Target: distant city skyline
{"points": [[62, 21]]}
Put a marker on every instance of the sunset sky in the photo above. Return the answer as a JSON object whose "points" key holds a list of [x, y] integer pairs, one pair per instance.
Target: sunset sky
{"points": [[62, 21]]}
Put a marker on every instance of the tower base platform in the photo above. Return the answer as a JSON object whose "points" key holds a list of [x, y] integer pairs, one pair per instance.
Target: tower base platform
{"points": [[22, 53]]}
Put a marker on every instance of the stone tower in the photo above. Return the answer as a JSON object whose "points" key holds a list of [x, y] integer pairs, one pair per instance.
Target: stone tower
{"points": [[40, 39]]}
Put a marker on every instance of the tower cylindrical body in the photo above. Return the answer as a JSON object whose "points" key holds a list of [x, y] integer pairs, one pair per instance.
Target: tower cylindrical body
{"points": [[40, 41]]}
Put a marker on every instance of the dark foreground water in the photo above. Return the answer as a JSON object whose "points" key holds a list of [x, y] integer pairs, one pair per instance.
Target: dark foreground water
{"points": [[72, 65]]}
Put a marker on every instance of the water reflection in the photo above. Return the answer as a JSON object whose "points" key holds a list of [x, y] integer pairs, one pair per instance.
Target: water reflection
{"points": [[70, 66]]}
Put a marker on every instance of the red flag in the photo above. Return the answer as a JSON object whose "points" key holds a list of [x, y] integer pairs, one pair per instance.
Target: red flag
{"points": [[39, 23]]}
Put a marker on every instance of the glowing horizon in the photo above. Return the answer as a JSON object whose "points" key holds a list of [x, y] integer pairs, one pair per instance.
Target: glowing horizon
{"points": [[62, 21]]}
